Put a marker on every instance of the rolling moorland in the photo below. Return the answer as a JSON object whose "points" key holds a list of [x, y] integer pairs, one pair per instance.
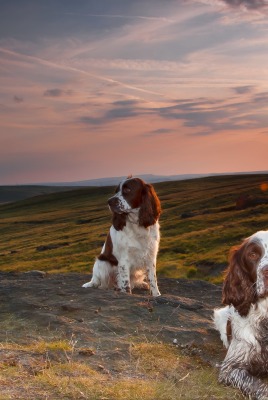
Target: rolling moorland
{"points": [[59, 341], [201, 220], [10, 194]]}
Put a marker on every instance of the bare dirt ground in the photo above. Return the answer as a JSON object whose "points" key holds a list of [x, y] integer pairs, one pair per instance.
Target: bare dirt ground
{"points": [[38, 305]]}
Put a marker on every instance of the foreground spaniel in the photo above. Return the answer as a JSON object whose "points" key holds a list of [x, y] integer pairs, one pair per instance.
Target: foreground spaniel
{"points": [[243, 323], [128, 257]]}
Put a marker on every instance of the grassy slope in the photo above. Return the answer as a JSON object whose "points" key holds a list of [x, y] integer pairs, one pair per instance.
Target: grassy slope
{"points": [[51, 368], [21, 192], [77, 222]]}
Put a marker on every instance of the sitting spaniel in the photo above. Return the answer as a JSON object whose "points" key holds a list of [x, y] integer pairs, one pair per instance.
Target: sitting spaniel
{"points": [[128, 257], [243, 323]]}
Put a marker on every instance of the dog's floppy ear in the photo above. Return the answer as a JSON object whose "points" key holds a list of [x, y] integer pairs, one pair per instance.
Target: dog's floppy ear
{"points": [[107, 254], [238, 288], [150, 206]]}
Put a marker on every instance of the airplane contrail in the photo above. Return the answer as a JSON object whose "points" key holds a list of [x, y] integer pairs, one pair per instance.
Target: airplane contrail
{"points": [[80, 71], [124, 16]]}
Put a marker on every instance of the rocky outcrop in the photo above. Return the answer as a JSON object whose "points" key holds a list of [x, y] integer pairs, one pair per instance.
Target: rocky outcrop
{"points": [[43, 305]]}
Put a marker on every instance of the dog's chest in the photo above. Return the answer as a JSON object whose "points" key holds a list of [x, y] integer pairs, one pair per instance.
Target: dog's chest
{"points": [[253, 329], [134, 241]]}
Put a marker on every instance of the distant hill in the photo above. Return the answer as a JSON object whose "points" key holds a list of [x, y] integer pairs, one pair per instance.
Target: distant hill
{"points": [[12, 193], [150, 178], [112, 181]]}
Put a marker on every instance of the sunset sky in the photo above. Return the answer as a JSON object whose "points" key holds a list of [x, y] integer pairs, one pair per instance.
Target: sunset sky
{"points": [[92, 89]]}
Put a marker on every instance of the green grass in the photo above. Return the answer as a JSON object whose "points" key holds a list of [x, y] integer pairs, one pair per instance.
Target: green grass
{"points": [[76, 222]]}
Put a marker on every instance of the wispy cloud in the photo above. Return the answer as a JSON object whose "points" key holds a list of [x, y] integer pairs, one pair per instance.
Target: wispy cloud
{"points": [[157, 132], [248, 4], [57, 92], [238, 4], [109, 116], [261, 98], [17, 99], [243, 89], [203, 116]]}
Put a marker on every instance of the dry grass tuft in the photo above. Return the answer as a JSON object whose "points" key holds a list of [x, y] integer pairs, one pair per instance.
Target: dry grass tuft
{"points": [[154, 371]]}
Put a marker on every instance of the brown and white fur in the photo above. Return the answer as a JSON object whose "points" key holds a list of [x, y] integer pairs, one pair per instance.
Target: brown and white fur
{"points": [[243, 323], [128, 257]]}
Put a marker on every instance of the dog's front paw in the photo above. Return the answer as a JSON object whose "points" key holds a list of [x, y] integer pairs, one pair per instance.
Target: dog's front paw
{"points": [[156, 293], [126, 289], [89, 284]]}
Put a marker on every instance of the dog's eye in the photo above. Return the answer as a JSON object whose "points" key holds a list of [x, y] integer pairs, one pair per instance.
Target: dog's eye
{"points": [[253, 256], [126, 190]]}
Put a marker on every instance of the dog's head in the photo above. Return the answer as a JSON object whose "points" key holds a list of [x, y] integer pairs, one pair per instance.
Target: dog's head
{"points": [[247, 275], [134, 195]]}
